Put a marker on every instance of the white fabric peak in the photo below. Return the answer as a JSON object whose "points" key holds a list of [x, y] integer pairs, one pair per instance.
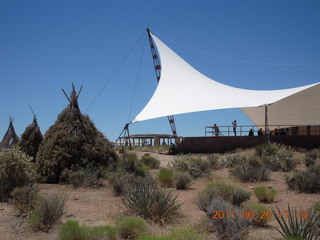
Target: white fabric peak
{"points": [[182, 89]]}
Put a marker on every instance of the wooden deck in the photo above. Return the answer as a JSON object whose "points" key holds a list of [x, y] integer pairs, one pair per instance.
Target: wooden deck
{"points": [[223, 144]]}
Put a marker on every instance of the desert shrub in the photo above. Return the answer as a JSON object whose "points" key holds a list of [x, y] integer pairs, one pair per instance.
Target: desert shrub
{"points": [[182, 180], [221, 190], [120, 181], [186, 233], [88, 178], [5, 187], [227, 227], [265, 194], [311, 157], [204, 225], [296, 226], [214, 161], [255, 162], [142, 170], [128, 162], [203, 165], [248, 173], [196, 167], [258, 213], [102, 232], [232, 160], [315, 169], [25, 198], [31, 139], [72, 143], [285, 157], [276, 157], [48, 211], [130, 227], [290, 179], [72, 230], [305, 181], [239, 196], [148, 237], [181, 233], [147, 200], [150, 161], [265, 150], [316, 206], [165, 177], [16, 170], [181, 163], [309, 161]]}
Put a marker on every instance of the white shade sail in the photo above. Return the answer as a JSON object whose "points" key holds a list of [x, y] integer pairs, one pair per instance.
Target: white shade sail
{"points": [[182, 89]]}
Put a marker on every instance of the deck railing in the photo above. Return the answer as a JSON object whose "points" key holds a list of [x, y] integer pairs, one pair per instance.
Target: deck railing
{"points": [[243, 130]]}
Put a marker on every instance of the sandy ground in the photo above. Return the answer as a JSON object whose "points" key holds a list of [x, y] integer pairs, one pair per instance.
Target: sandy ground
{"points": [[95, 207]]}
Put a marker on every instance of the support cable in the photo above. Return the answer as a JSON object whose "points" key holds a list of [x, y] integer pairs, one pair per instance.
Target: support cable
{"points": [[114, 73], [238, 60], [136, 81]]}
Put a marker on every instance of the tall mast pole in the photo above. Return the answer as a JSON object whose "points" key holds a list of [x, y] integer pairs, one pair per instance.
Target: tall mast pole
{"points": [[157, 67]]}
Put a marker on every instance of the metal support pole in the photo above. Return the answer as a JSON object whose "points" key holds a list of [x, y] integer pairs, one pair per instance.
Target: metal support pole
{"points": [[266, 124], [157, 67]]}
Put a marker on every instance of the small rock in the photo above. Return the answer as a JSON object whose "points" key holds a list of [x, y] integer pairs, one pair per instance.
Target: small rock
{"points": [[1, 208], [70, 215]]}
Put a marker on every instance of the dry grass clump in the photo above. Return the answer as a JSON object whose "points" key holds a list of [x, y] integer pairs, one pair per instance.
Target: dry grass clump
{"points": [[182, 181], [165, 177], [87, 178], [48, 211], [25, 199], [265, 194], [72, 230], [130, 227]]}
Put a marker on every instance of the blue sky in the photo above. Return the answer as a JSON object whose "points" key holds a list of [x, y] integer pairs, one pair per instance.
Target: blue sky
{"points": [[47, 45]]}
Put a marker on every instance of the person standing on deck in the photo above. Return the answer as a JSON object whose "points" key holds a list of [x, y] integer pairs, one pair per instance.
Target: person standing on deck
{"points": [[234, 124], [216, 130]]}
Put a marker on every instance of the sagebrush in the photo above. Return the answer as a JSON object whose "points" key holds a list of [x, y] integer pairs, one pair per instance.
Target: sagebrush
{"points": [[16, 170], [227, 227]]}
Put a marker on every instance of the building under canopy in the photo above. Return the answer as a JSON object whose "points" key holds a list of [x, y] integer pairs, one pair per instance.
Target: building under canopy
{"points": [[182, 89]]}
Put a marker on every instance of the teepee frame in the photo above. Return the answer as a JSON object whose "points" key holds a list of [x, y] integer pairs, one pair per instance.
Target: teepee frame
{"points": [[10, 138]]}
